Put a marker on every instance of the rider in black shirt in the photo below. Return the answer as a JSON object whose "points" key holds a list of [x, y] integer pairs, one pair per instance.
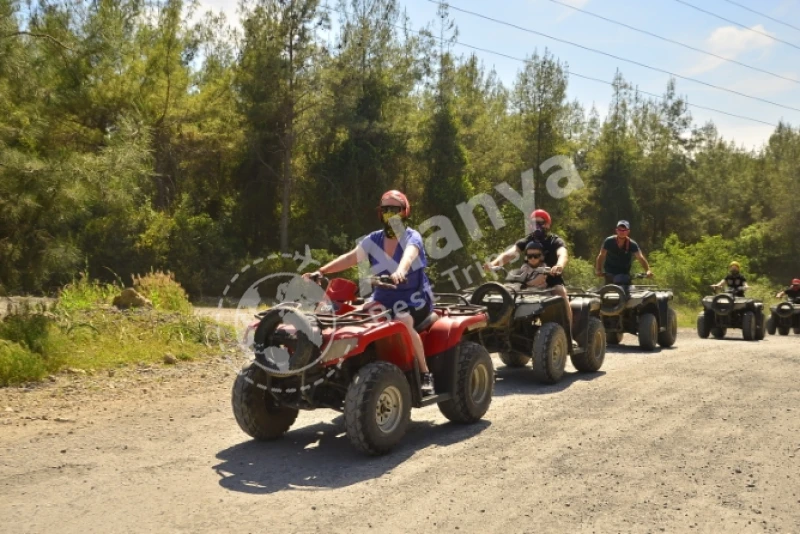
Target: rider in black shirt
{"points": [[792, 293], [735, 281], [555, 254]]}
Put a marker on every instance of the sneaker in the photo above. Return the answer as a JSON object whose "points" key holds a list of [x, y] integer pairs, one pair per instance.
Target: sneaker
{"points": [[427, 384]]}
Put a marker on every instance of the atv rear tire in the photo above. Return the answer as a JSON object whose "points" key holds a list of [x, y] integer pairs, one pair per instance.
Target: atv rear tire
{"points": [[377, 408], [796, 330], [255, 410], [719, 332], [614, 338], [549, 353], [772, 325], [667, 338], [648, 331], [592, 359], [474, 385], [514, 359], [749, 326]]}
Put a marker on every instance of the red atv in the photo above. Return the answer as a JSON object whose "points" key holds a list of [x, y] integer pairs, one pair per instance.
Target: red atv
{"points": [[360, 363]]}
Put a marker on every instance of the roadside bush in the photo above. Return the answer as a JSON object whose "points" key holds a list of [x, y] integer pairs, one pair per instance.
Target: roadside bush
{"points": [[163, 291], [18, 364]]}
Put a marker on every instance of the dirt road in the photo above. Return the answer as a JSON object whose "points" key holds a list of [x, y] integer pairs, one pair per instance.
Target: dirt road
{"points": [[704, 437]]}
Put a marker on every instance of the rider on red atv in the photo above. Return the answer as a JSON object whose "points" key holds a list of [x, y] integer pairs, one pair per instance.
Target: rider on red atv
{"points": [[403, 258]]}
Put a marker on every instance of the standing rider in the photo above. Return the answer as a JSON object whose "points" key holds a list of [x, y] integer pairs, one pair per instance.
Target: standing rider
{"points": [[403, 258], [735, 281], [553, 247], [616, 256], [792, 293]]}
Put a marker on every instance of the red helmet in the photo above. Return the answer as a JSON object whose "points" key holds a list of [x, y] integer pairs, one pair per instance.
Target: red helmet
{"points": [[796, 282], [397, 195], [542, 214]]}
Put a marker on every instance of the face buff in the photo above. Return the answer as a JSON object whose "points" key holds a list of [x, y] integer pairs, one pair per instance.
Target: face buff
{"points": [[540, 233], [388, 226]]}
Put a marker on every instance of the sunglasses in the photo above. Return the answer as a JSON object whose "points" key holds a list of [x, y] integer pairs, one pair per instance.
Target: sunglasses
{"points": [[391, 209], [620, 229], [535, 255], [539, 222]]}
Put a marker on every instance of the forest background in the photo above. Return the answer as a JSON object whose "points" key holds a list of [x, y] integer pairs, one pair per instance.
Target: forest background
{"points": [[139, 135]]}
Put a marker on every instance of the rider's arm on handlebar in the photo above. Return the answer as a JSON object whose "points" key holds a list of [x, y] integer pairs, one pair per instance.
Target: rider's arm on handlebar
{"points": [[410, 254], [598, 264], [508, 255], [343, 262], [643, 261], [561, 263]]}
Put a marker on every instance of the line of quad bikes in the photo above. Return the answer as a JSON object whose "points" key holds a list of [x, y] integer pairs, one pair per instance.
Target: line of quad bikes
{"points": [[362, 364]]}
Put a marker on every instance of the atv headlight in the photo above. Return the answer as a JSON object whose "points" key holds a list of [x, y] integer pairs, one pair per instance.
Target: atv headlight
{"points": [[338, 349]]}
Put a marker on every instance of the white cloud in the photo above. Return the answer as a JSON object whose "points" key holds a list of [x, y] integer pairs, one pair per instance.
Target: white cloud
{"points": [[731, 42]]}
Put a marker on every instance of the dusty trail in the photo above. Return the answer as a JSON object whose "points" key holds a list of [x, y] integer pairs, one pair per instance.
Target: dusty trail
{"points": [[704, 437]]}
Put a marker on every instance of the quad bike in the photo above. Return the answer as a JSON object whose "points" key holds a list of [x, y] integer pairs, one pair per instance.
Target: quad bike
{"points": [[730, 309], [361, 363], [532, 324], [784, 317], [643, 311]]}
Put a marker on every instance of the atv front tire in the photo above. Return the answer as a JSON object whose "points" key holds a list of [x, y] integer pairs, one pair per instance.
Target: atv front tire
{"points": [[719, 332], [474, 385], [255, 410], [667, 338], [549, 353], [703, 330], [749, 326], [377, 408], [772, 325], [648, 331], [592, 359]]}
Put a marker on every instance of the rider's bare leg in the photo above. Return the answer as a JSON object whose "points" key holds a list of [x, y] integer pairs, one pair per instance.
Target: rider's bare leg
{"points": [[416, 341]]}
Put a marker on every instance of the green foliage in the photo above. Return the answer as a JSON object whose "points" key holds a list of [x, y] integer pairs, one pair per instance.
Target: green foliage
{"points": [[79, 336], [136, 137], [690, 269], [18, 364], [580, 273], [163, 291], [84, 293]]}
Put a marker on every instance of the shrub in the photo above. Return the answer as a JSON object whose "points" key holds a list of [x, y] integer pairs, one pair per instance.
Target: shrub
{"points": [[18, 364], [163, 291]]}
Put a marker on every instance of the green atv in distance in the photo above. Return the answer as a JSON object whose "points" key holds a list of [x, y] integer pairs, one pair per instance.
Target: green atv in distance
{"points": [[731, 309], [643, 311], [784, 317]]}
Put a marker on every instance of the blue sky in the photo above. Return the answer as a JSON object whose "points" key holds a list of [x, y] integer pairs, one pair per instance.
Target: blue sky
{"points": [[667, 18]]}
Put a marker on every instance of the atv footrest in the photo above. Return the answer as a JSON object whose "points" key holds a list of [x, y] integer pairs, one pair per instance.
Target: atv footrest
{"points": [[435, 399]]}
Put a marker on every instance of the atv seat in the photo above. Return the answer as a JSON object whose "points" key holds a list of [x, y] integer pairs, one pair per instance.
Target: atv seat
{"points": [[425, 324]]}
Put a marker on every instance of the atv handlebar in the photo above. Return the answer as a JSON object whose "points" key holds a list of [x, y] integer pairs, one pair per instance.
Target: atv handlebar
{"points": [[382, 281]]}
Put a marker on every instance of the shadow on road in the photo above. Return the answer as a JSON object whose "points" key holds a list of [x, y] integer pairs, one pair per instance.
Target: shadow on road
{"points": [[520, 381], [320, 456]]}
